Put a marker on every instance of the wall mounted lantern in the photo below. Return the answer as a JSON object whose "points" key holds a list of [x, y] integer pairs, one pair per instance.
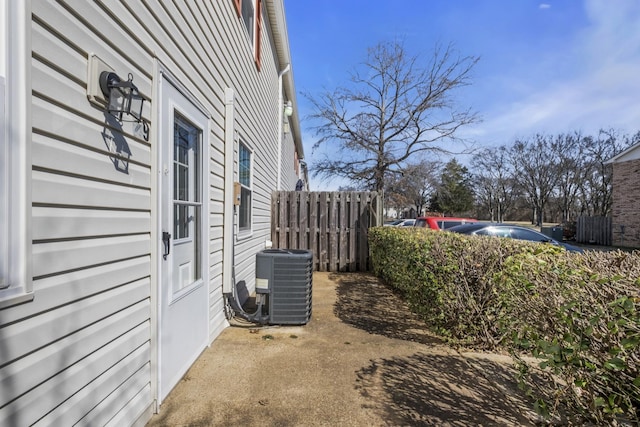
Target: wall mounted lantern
{"points": [[288, 109], [123, 96]]}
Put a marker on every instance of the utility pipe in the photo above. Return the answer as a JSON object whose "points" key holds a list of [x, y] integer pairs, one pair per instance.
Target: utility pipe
{"points": [[280, 119], [227, 231]]}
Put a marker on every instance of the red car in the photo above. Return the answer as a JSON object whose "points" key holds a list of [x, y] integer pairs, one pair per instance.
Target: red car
{"points": [[441, 222]]}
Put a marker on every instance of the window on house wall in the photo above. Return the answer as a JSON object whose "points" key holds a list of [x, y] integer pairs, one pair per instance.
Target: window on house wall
{"points": [[15, 162], [244, 173], [251, 13], [248, 17]]}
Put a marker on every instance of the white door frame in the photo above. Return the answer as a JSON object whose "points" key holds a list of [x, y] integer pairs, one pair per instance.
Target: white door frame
{"points": [[163, 77]]}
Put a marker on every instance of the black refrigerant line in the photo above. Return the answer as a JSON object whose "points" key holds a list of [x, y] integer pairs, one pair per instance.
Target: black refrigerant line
{"points": [[232, 306]]}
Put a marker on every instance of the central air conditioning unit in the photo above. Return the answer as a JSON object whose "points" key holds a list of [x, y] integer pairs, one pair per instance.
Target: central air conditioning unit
{"points": [[285, 278]]}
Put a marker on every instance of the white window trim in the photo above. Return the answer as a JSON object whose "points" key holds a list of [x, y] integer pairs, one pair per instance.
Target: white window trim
{"points": [[246, 232], [15, 165]]}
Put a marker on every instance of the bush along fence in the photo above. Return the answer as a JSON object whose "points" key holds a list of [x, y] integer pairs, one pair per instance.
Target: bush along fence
{"points": [[578, 314], [333, 225]]}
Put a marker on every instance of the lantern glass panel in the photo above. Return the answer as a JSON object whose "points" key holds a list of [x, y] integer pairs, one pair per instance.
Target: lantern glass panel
{"points": [[117, 100], [136, 105]]}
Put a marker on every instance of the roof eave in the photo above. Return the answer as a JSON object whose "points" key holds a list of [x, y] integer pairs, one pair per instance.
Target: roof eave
{"points": [[275, 10], [615, 158]]}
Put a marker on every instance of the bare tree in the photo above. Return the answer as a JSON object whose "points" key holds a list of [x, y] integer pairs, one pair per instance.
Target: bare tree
{"points": [[567, 174], [395, 201], [568, 150], [415, 185], [596, 191], [537, 172], [494, 182], [394, 108]]}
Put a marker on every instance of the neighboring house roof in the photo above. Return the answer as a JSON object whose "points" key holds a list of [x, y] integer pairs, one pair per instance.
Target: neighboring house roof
{"points": [[631, 153]]}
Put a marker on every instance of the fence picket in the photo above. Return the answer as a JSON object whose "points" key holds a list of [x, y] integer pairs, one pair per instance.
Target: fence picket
{"points": [[313, 226], [333, 225], [353, 216], [594, 229], [332, 230], [342, 230]]}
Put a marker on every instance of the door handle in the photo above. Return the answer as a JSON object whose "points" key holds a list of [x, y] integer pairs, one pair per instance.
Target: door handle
{"points": [[166, 240]]}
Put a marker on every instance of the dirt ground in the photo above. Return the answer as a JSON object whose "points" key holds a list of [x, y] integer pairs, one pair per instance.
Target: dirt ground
{"points": [[363, 360]]}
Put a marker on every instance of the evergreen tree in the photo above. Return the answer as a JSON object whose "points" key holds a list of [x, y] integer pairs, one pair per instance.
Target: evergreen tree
{"points": [[454, 194]]}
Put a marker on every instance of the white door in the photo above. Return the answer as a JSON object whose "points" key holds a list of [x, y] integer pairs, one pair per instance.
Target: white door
{"points": [[183, 294]]}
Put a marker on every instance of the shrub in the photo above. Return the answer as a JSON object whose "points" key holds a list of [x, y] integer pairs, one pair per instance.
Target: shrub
{"points": [[446, 277], [577, 313]]}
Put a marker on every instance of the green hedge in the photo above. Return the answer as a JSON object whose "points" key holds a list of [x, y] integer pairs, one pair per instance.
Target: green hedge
{"points": [[578, 313]]}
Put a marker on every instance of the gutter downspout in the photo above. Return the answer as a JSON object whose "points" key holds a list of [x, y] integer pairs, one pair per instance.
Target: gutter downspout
{"points": [[227, 231], [280, 119]]}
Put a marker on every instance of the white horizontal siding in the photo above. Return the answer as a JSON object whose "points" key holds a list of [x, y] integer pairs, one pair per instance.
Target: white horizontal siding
{"points": [[170, 41], [88, 396], [215, 269], [35, 368], [37, 332], [78, 387], [56, 257], [86, 27], [66, 126], [54, 189], [138, 410], [216, 207], [127, 393], [215, 236], [55, 155], [55, 51], [218, 322], [64, 289], [80, 352], [55, 223], [216, 170], [50, 85], [289, 177]]}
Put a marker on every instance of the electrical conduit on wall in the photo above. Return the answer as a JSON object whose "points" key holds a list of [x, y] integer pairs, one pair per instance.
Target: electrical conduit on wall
{"points": [[280, 119], [227, 234]]}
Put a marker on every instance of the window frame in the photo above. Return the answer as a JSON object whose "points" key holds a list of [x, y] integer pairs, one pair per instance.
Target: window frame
{"points": [[257, 45], [15, 152], [254, 30], [246, 188]]}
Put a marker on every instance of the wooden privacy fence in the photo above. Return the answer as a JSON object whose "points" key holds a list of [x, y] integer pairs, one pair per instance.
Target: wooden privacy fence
{"points": [[594, 229], [333, 225]]}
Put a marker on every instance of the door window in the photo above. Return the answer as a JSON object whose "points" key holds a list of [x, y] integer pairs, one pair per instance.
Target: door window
{"points": [[187, 204]]}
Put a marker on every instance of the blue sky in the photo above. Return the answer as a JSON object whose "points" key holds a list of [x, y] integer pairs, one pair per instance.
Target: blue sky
{"points": [[545, 67]]}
